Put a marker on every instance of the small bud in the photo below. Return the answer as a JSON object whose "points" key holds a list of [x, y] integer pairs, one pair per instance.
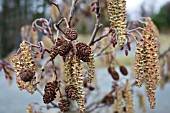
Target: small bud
{"points": [[128, 46], [34, 28], [126, 52], [93, 9], [123, 70], [92, 4], [91, 88], [42, 20], [121, 48]]}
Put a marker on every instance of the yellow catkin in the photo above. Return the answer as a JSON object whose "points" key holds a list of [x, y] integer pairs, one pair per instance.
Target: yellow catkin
{"points": [[91, 68], [21, 61], [79, 84], [129, 98], [29, 108], [139, 61], [68, 70], [142, 103], [119, 105], [147, 61], [117, 14]]}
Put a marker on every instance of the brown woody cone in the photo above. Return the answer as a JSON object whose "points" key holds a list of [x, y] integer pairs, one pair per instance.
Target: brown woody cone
{"points": [[123, 70], [108, 99], [83, 51], [50, 92], [65, 48], [26, 75], [113, 72], [71, 34], [71, 92], [63, 105], [53, 51]]}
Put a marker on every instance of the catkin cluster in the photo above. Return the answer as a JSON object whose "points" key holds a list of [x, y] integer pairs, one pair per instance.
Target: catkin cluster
{"points": [[147, 62], [25, 69], [117, 14]]}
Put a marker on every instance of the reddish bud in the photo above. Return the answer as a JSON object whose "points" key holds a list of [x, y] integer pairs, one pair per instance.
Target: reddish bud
{"points": [[123, 70], [126, 52], [93, 9], [34, 28], [91, 88], [128, 46], [121, 48], [42, 20], [92, 4]]}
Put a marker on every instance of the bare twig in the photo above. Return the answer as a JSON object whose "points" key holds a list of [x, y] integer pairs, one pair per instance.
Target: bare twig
{"points": [[72, 12], [97, 25], [100, 38], [164, 53], [56, 4]]}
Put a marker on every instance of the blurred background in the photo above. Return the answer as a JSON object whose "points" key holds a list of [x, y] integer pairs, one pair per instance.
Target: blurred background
{"points": [[16, 13]]}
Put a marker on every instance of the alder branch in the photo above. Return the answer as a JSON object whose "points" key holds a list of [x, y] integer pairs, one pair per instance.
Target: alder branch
{"points": [[71, 12], [101, 37], [164, 53], [97, 25], [56, 4]]}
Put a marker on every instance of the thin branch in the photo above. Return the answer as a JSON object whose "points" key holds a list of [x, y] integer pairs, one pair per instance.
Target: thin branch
{"points": [[103, 50], [164, 53], [101, 37], [56, 4], [97, 25], [72, 12]]}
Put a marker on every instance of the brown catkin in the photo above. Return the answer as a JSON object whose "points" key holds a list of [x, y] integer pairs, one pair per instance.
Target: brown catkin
{"points": [[117, 14]]}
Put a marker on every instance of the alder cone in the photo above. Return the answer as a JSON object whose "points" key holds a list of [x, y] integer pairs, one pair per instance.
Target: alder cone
{"points": [[71, 34], [123, 70], [53, 51], [65, 48], [71, 92], [26, 75], [63, 105], [50, 92], [108, 99], [113, 72], [115, 75], [83, 51]]}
